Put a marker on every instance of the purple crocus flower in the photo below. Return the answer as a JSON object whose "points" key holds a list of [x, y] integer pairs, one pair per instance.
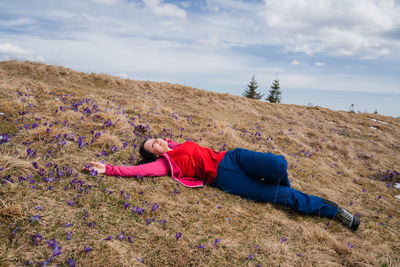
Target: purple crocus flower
{"points": [[85, 214], [42, 172], [71, 262], [201, 246], [121, 237], [56, 250], [16, 229], [138, 210], [176, 191], [37, 238], [217, 241], [139, 259], [80, 141], [109, 238], [283, 239], [51, 242], [93, 172], [87, 249], [250, 257], [178, 235], [92, 224], [69, 235], [350, 245], [130, 239], [35, 218], [70, 203], [155, 207], [28, 262]]}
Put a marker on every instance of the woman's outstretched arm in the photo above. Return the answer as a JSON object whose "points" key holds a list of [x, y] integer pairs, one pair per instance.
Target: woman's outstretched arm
{"points": [[155, 168]]}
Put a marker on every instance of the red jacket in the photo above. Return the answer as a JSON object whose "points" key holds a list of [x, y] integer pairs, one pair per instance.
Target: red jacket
{"points": [[202, 164]]}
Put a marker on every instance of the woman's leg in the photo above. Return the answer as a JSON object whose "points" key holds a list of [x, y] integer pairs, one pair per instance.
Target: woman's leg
{"points": [[268, 167], [234, 179]]}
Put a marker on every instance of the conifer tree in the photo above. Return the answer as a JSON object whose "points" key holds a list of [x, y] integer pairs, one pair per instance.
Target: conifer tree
{"points": [[251, 91], [275, 93]]}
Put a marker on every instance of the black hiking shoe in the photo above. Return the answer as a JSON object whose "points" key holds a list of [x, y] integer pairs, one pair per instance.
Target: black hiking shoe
{"points": [[347, 219]]}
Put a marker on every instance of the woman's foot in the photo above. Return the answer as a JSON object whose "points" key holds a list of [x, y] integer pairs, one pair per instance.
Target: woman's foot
{"points": [[347, 219]]}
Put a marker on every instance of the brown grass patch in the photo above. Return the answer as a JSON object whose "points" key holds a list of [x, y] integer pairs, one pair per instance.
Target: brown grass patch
{"points": [[335, 155]]}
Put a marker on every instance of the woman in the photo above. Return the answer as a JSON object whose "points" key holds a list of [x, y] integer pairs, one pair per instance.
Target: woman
{"points": [[254, 175]]}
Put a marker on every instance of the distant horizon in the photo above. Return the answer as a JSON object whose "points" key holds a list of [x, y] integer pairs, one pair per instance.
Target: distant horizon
{"points": [[364, 102], [384, 103]]}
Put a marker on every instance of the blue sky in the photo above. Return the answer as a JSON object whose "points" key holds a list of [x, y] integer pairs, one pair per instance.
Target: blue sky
{"points": [[330, 53]]}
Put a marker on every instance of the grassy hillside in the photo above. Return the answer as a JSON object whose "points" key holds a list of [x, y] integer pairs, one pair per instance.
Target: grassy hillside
{"points": [[54, 120]]}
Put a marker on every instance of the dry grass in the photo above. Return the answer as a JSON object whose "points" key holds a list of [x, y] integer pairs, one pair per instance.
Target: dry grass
{"points": [[336, 155]]}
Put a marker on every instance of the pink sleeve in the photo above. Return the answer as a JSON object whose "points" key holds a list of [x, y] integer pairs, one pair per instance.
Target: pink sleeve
{"points": [[155, 168]]}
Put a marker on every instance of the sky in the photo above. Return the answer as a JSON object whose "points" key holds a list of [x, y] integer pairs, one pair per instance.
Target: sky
{"points": [[329, 53]]}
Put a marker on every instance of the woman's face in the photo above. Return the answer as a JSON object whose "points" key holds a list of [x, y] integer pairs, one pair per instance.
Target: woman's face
{"points": [[156, 146]]}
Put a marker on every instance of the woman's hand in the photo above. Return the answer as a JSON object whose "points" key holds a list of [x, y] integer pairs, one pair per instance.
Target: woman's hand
{"points": [[97, 166]]}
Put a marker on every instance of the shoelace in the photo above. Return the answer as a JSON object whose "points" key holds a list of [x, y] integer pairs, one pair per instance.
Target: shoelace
{"points": [[345, 217]]}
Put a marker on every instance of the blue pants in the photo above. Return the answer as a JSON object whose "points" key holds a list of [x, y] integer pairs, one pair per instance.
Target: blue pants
{"points": [[263, 177]]}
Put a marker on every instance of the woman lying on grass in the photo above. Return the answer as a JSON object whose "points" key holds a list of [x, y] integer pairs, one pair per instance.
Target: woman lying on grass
{"points": [[254, 175]]}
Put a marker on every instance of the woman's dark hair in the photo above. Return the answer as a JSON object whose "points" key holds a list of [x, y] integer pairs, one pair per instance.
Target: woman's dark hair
{"points": [[146, 155]]}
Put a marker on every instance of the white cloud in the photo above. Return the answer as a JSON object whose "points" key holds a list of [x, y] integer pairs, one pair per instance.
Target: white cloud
{"points": [[339, 82], [7, 48], [10, 51], [335, 27], [229, 5], [161, 9], [185, 4], [16, 22], [123, 75], [106, 2], [319, 64], [211, 42], [295, 62]]}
